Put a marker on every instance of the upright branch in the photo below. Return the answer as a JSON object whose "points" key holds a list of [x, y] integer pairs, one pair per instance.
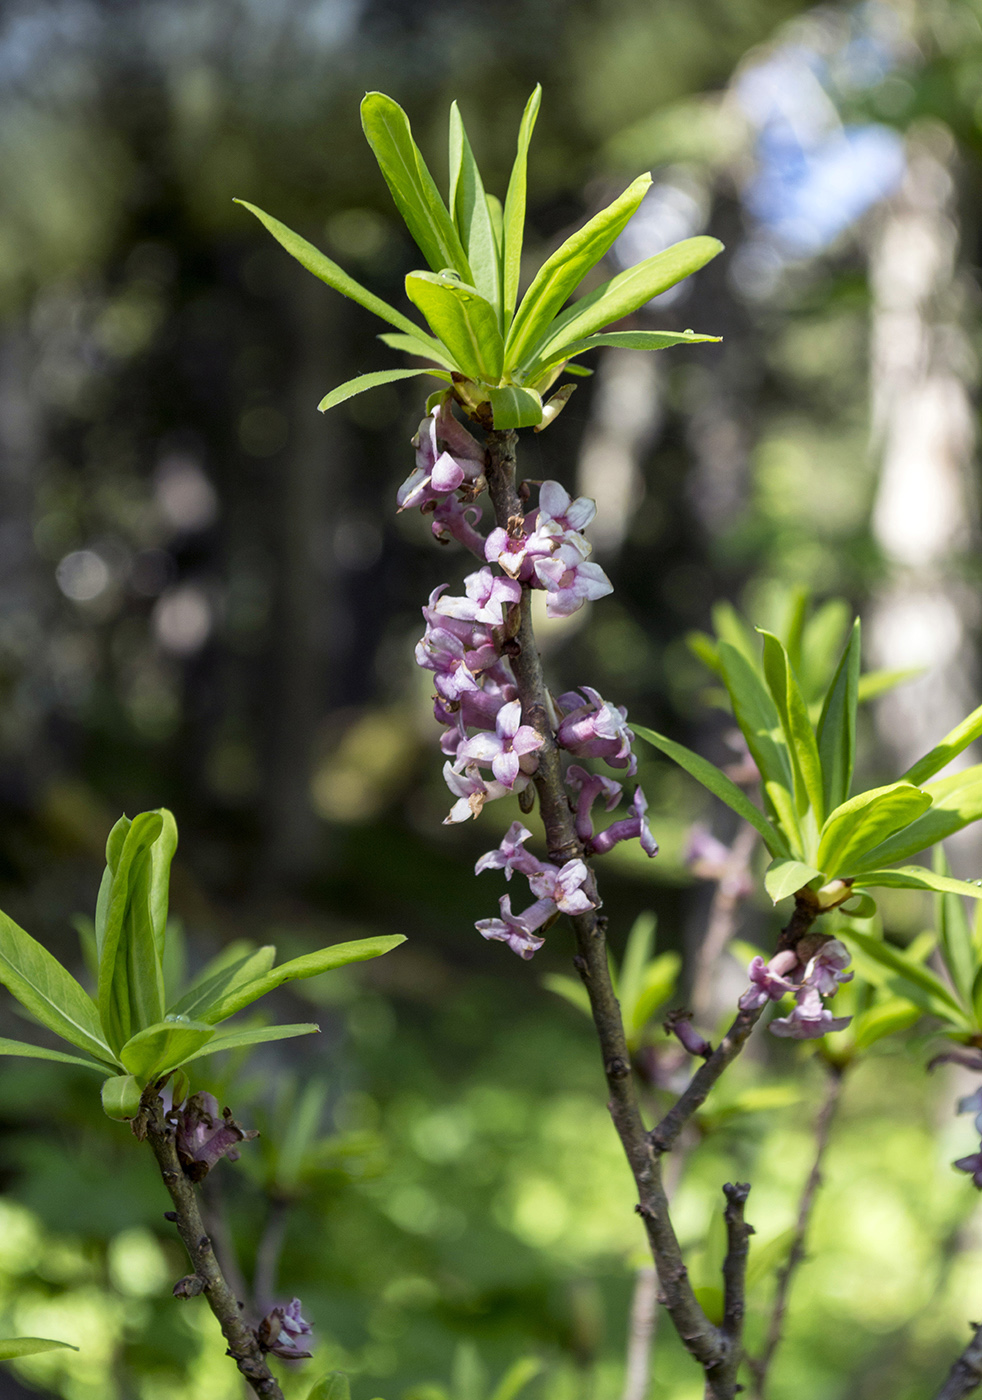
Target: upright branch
{"points": [[966, 1374], [206, 1277]]}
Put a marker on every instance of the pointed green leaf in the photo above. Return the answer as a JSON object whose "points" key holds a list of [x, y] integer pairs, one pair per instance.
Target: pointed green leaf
{"points": [[464, 321], [628, 292], [219, 981], [517, 1377], [837, 725], [131, 981], [757, 716], [38, 1052], [162, 1047], [619, 340], [13, 1347], [351, 387], [876, 683], [799, 735], [916, 877], [413, 189], [786, 877], [515, 408], [637, 954], [256, 1035], [327, 271], [422, 345], [955, 802], [883, 1019], [950, 747], [310, 965], [161, 857], [859, 825], [822, 639], [497, 216], [513, 225], [916, 978], [49, 991], [657, 986], [114, 846], [720, 785], [954, 934], [334, 1386], [562, 273], [571, 989], [470, 213]]}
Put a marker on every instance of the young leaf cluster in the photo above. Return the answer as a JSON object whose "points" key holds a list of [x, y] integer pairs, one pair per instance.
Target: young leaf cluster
{"points": [[828, 846], [500, 353], [132, 1032]]}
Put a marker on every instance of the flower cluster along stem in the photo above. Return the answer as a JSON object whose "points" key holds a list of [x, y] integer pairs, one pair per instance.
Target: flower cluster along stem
{"points": [[717, 1349], [208, 1279]]}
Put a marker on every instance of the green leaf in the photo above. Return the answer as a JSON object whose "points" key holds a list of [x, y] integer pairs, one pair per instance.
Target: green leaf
{"points": [[333, 1386], [876, 683], [114, 847], [571, 989], [327, 271], [757, 716], [786, 877], [638, 951], [513, 224], [157, 1049], [628, 292], [883, 1019], [463, 320], [49, 991], [517, 1377], [421, 345], [919, 984], [860, 824], [720, 785], [413, 189], [256, 1035], [131, 982], [351, 387], [619, 340], [954, 934], [837, 725], [765, 1258], [822, 640], [470, 213], [39, 1052], [497, 216], [161, 858], [562, 273], [916, 877], [220, 978], [121, 1097], [657, 986], [730, 627], [299, 1135], [13, 1347], [515, 408], [955, 802], [310, 965], [950, 747], [799, 735]]}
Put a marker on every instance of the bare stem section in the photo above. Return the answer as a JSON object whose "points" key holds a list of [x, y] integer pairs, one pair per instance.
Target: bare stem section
{"points": [[717, 1349], [966, 1374], [207, 1278]]}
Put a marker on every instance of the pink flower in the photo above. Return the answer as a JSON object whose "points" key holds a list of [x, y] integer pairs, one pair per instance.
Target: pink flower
{"points": [[503, 750], [518, 930], [487, 594], [279, 1330], [769, 980], [446, 457], [516, 554], [471, 791], [563, 886], [441, 652], [569, 579], [592, 728], [590, 787], [810, 1018], [555, 505], [824, 970], [511, 855], [627, 829], [453, 520]]}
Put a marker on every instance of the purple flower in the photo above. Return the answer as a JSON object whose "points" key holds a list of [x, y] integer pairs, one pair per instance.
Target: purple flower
{"points": [[515, 553], [511, 742], [564, 887], [555, 504], [454, 520], [972, 1104], [769, 980], [518, 930], [279, 1330], [511, 855], [824, 970], [443, 653], [679, 1023], [446, 457], [202, 1136], [487, 594], [627, 829], [590, 787], [569, 578], [472, 791], [973, 1165], [592, 728], [810, 1018]]}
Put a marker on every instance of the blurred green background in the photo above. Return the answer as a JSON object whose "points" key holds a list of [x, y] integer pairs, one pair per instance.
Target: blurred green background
{"points": [[207, 601]]}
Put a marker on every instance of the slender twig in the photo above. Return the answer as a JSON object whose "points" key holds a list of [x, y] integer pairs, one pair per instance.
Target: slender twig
{"points": [[207, 1277], [823, 1130], [268, 1254], [966, 1374], [721, 924], [738, 1234], [711, 1346]]}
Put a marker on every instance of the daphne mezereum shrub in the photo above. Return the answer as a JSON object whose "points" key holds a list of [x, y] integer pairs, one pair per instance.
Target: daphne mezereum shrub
{"points": [[503, 734]]}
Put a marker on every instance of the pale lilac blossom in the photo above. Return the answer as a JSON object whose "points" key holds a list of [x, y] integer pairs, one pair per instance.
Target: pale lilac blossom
{"points": [[518, 930], [511, 854], [504, 750], [280, 1330], [487, 594], [810, 1018], [564, 886], [516, 554], [569, 578], [439, 651], [471, 791], [825, 970], [446, 457], [589, 788], [593, 728], [627, 829], [454, 520], [769, 981], [555, 504]]}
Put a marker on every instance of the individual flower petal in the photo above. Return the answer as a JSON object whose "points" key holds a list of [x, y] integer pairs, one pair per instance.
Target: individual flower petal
{"points": [[511, 854], [487, 594], [555, 504], [972, 1165], [564, 886], [769, 980], [504, 749], [824, 971], [627, 829], [810, 1018], [518, 930], [570, 580]]}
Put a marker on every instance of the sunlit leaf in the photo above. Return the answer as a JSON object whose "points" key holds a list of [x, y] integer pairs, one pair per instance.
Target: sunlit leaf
{"points": [[760, 723], [465, 322], [955, 802], [513, 220], [954, 934], [13, 1347], [334, 1386], [571, 989], [862, 823], [950, 747], [658, 983], [362, 382], [517, 1377], [310, 965], [515, 408], [424, 346], [784, 877], [837, 725], [912, 979], [618, 340], [161, 857], [916, 877], [131, 982], [798, 732], [883, 1019], [638, 951], [470, 213]]}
